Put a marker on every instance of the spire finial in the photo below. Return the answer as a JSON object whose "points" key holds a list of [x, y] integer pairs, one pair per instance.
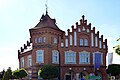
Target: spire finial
{"points": [[46, 7]]}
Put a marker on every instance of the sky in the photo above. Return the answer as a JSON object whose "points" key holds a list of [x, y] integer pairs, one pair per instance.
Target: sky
{"points": [[18, 16]]}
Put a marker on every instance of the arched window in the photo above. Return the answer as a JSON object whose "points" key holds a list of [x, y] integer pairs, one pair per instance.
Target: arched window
{"points": [[70, 39], [81, 42], [85, 42], [55, 56]]}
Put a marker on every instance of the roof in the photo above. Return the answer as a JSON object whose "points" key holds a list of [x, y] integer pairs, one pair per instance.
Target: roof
{"points": [[46, 22]]}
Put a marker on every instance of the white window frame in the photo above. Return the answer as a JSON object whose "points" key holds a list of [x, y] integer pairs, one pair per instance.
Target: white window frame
{"points": [[84, 57], [55, 57], [70, 57], [29, 60], [40, 55], [22, 62], [71, 40]]}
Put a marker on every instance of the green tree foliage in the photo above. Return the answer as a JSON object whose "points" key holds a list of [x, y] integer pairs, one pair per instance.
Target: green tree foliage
{"points": [[2, 74], [8, 74], [21, 73], [16, 74], [117, 48], [48, 72], [113, 69]]}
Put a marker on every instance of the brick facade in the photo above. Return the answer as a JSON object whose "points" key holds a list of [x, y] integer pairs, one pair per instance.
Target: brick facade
{"points": [[47, 30]]}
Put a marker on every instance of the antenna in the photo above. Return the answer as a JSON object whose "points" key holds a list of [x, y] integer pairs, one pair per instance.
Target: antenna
{"points": [[46, 7]]}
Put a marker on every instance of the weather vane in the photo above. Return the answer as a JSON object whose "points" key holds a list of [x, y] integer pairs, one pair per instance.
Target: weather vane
{"points": [[46, 7]]}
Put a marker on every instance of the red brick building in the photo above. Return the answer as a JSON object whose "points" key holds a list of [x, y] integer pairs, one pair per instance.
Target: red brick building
{"points": [[73, 53]]}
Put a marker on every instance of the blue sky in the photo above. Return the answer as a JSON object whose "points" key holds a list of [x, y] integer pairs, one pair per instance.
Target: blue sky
{"points": [[18, 16]]}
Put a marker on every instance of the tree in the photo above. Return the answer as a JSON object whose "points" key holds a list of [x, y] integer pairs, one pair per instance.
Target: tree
{"points": [[117, 48], [2, 74], [21, 73], [113, 69], [8, 74], [48, 72], [16, 74]]}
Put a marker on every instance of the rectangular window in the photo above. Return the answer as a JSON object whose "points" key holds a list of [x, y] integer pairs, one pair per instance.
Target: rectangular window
{"points": [[70, 57], [100, 44], [75, 38], [22, 62], [96, 42], [29, 60], [55, 39], [66, 42], [44, 39], [40, 56], [70, 39], [92, 40], [62, 44], [84, 58], [55, 57], [36, 40], [40, 40]]}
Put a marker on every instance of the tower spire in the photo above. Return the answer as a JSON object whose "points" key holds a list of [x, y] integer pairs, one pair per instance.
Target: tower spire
{"points": [[46, 7]]}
